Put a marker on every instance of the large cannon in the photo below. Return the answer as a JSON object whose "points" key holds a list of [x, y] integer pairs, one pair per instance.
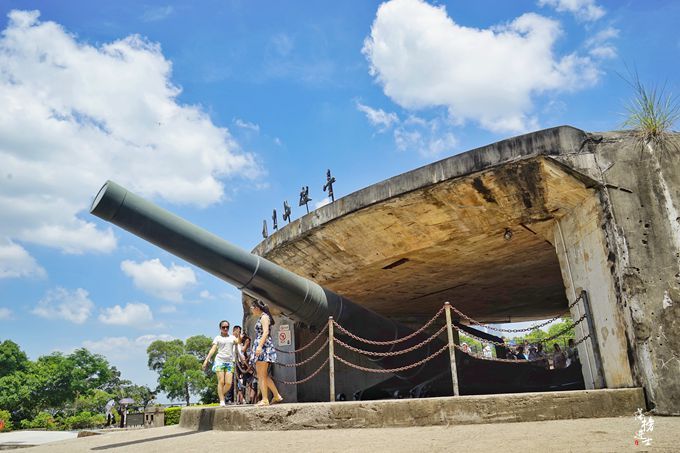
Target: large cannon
{"points": [[305, 301], [297, 297]]}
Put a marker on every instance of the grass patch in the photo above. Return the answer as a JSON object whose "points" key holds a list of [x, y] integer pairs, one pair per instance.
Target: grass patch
{"points": [[652, 112]]}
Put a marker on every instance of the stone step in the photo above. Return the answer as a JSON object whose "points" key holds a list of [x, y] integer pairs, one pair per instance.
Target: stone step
{"points": [[517, 407]]}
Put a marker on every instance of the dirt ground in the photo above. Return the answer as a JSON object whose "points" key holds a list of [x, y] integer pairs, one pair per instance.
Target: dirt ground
{"points": [[582, 435]]}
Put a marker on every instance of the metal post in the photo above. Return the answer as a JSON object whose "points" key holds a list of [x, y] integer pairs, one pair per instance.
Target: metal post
{"points": [[593, 340], [452, 349], [331, 363]]}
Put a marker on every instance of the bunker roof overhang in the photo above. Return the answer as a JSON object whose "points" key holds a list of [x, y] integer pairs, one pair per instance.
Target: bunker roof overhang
{"points": [[473, 229]]}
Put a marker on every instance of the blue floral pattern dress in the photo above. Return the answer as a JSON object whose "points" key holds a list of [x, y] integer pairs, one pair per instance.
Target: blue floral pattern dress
{"points": [[268, 351]]}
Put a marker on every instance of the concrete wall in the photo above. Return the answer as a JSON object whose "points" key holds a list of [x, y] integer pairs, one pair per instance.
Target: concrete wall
{"points": [[640, 202], [581, 248], [643, 191]]}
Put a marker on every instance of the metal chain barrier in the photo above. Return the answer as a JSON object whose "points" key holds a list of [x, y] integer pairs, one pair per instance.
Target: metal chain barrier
{"points": [[309, 359], [392, 370], [528, 329], [302, 381], [391, 342], [390, 353], [307, 345], [544, 340]]}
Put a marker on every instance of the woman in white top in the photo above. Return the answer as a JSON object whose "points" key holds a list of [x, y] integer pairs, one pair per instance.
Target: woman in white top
{"points": [[226, 347]]}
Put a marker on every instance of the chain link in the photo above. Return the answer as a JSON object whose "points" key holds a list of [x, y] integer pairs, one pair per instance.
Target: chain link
{"points": [[307, 345], [392, 370], [504, 345], [386, 343], [578, 321], [582, 340], [527, 329], [390, 353], [302, 381], [309, 359]]}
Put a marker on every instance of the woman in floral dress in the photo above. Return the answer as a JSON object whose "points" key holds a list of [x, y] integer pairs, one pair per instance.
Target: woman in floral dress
{"points": [[263, 352]]}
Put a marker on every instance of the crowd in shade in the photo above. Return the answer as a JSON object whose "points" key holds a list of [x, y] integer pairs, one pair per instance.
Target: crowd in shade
{"points": [[558, 358]]}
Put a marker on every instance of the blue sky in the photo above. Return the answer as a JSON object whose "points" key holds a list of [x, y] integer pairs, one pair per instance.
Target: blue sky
{"points": [[220, 111]]}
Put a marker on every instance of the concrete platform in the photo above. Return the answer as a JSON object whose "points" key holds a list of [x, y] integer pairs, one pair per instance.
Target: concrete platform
{"points": [[521, 407], [29, 438], [582, 435]]}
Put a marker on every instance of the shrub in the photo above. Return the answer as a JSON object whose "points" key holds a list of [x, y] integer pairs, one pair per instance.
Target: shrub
{"points": [[5, 421], [84, 420], [172, 415], [43, 420], [652, 112]]}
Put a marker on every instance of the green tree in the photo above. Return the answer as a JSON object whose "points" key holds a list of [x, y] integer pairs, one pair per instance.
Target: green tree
{"points": [[178, 365], [12, 358], [5, 421]]}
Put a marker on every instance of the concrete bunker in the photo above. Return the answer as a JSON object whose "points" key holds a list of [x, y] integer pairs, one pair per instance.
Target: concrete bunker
{"points": [[513, 231]]}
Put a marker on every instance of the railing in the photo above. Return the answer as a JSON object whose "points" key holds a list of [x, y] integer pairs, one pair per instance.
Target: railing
{"points": [[332, 340]]}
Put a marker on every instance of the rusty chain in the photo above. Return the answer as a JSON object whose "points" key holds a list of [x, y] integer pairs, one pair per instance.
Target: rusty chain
{"points": [[309, 359], [392, 370], [527, 329], [504, 345], [391, 342], [577, 322], [305, 346], [390, 353], [302, 381], [582, 340]]}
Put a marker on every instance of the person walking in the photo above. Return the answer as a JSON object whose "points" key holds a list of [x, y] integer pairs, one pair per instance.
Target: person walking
{"points": [[225, 345], [110, 417], [263, 352]]}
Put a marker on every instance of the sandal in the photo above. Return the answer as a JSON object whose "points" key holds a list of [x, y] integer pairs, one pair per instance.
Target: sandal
{"points": [[277, 400], [262, 403]]}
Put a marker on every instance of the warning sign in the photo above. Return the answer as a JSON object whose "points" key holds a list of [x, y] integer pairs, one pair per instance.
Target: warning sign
{"points": [[285, 338]]}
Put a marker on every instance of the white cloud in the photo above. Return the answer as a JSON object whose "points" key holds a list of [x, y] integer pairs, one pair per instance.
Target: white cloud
{"points": [[600, 46], [205, 294], [123, 348], [423, 59], [246, 125], [74, 115], [74, 306], [130, 315], [586, 10], [157, 13], [378, 117], [5, 314], [429, 138], [16, 262], [154, 278], [322, 202]]}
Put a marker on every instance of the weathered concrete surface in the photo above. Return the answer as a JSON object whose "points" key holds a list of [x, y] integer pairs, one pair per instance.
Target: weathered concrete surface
{"points": [[418, 412], [583, 435], [640, 199], [581, 246], [447, 220]]}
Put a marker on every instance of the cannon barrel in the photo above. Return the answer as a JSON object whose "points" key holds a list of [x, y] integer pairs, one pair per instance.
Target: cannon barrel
{"points": [[297, 297]]}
